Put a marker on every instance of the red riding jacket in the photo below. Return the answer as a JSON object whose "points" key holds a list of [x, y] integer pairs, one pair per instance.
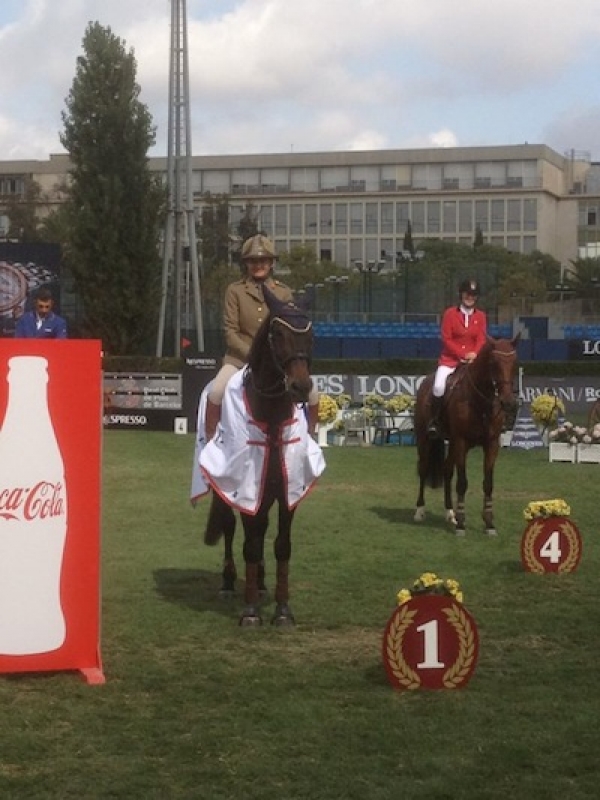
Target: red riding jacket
{"points": [[459, 339]]}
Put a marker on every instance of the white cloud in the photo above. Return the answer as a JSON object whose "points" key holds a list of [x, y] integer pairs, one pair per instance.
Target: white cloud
{"points": [[267, 75]]}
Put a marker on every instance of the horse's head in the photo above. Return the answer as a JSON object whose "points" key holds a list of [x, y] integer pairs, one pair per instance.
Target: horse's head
{"points": [[503, 370], [290, 336]]}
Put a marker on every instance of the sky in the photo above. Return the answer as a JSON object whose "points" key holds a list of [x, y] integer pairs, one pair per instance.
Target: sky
{"points": [[276, 76]]}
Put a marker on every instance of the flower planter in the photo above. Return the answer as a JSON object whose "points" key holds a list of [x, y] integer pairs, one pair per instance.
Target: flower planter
{"points": [[588, 453], [561, 451], [338, 439], [322, 430], [506, 438]]}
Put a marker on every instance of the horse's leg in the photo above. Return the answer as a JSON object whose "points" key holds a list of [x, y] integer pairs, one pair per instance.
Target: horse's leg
{"points": [[422, 451], [283, 551], [229, 574], [255, 529], [490, 453], [455, 460]]}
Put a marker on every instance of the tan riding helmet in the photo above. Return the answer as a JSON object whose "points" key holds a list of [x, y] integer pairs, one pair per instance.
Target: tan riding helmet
{"points": [[258, 246]]}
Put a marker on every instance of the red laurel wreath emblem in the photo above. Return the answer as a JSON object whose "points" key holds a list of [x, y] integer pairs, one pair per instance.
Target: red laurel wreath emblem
{"points": [[430, 642]]}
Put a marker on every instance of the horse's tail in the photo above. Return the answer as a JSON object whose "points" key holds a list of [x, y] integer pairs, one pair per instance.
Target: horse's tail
{"points": [[435, 463], [221, 521]]}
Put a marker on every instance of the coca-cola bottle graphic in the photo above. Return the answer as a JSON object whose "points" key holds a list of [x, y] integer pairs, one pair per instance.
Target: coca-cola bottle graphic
{"points": [[33, 515]]}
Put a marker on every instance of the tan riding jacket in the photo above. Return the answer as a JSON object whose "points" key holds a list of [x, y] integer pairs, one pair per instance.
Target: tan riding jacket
{"points": [[244, 312]]}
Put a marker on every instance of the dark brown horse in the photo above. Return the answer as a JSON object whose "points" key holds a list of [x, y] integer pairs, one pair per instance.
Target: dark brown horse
{"points": [[477, 398], [276, 379]]}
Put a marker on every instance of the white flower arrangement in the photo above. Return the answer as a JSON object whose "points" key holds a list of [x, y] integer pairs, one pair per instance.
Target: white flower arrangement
{"points": [[570, 434]]}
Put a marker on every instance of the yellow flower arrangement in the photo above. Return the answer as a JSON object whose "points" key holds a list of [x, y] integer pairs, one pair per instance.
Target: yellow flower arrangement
{"points": [[328, 409], [429, 583], [545, 409], [400, 403], [547, 508], [373, 401], [343, 400]]}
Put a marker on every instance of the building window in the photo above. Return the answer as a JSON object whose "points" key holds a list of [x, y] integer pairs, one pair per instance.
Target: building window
{"points": [[334, 179], [296, 220], [402, 217], [387, 217], [450, 217], [433, 217], [591, 217], [513, 214], [372, 221], [310, 219], [281, 227], [265, 219], [465, 216], [304, 180], [529, 244], [356, 218], [325, 219], [418, 217], [482, 215], [341, 252], [498, 219], [341, 218], [530, 215], [513, 244]]}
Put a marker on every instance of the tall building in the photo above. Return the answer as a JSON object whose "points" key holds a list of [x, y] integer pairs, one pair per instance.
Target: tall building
{"points": [[356, 205]]}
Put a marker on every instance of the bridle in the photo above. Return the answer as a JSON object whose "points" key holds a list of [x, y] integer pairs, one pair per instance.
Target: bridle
{"points": [[300, 355], [497, 385], [281, 385]]}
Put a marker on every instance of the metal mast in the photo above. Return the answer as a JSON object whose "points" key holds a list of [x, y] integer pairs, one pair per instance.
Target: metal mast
{"points": [[180, 274]]}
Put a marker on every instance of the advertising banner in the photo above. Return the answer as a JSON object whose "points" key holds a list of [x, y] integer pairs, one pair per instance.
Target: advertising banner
{"points": [[50, 436]]}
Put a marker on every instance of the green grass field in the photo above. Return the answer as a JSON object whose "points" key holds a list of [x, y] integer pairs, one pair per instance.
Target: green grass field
{"points": [[195, 707]]}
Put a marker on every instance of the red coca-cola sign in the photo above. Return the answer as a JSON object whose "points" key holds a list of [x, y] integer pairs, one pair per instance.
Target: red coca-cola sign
{"points": [[50, 506]]}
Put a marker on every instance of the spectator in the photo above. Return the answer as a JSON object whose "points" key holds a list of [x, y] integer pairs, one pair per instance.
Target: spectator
{"points": [[42, 322]]}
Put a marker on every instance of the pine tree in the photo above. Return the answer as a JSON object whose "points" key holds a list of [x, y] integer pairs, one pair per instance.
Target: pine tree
{"points": [[115, 205]]}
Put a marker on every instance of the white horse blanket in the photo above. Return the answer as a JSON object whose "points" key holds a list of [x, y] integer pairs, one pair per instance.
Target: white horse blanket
{"points": [[233, 463]]}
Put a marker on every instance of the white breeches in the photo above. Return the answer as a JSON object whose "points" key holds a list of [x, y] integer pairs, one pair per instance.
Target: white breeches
{"points": [[441, 376]]}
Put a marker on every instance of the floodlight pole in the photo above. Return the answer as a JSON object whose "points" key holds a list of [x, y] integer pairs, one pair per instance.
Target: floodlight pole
{"points": [[180, 252]]}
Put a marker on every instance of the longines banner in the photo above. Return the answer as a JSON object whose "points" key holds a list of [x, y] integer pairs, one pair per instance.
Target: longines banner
{"points": [[155, 401], [584, 349], [576, 392]]}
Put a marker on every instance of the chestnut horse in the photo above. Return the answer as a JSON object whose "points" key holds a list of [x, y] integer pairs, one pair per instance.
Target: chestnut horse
{"points": [[273, 384], [477, 398]]}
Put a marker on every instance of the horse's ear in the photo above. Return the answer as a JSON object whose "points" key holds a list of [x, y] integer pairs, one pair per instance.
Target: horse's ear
{"points": [[289, 311], [489, 339]]}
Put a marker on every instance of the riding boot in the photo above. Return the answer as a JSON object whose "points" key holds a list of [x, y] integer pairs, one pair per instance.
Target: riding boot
{"points": [[211, 419], [313, 419], [434, 427]]}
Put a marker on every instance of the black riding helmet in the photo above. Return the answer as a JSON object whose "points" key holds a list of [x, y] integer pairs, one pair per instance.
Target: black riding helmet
{"points": [[470, 285]]}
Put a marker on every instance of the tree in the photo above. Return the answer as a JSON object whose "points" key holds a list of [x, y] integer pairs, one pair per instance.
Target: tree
{"points": [[115, 206], [408, 244], [213, 232], [478, 241]]}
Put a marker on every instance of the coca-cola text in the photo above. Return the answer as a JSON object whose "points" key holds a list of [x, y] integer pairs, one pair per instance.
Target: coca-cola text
{"points": [[42, 501]]}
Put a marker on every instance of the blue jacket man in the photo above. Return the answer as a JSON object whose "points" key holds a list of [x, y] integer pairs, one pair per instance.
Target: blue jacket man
{"points": [[42, 322]]}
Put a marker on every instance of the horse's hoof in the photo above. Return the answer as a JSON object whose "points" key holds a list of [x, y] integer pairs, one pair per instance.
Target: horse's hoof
{"points": [[283, 617], [460, 532], [250, 618], [419, 514], [491, 532]]}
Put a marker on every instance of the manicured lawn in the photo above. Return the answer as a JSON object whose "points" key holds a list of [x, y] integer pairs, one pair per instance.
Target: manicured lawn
{"points": [[195, 707]]}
